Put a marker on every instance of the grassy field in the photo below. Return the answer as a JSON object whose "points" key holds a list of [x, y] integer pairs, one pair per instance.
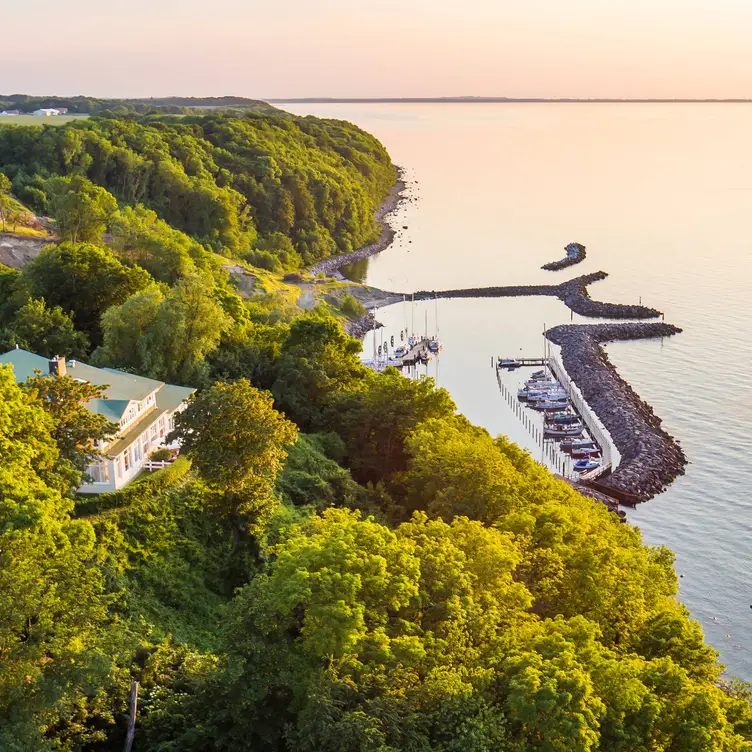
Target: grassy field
{"points": [[38, 119]]}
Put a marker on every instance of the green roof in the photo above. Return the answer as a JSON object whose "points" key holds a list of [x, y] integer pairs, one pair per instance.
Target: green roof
{"points": [[122, 387]]}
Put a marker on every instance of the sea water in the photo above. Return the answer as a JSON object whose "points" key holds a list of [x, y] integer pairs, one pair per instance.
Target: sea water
{"points": [[661, 195]]}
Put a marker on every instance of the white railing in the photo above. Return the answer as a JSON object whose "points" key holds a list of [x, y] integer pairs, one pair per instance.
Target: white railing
{"points": [[152, 465]]}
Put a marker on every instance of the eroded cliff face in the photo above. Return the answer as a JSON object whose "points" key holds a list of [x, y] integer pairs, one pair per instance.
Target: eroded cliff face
{"points": [[16, 251]]}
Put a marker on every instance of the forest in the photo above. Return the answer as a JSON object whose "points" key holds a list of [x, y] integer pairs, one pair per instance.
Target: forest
{"points": [[150, 105], [338, 560]]}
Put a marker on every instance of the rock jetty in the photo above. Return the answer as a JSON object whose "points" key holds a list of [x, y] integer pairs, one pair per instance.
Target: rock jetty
{"points": [[573, 293], [575, 254], [650, 458]]}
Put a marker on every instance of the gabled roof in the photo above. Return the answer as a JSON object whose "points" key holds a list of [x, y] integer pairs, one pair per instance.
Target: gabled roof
{"points": [[121, 386]]}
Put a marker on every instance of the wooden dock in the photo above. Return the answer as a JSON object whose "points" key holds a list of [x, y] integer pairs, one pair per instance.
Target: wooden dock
{"points": [[523, 362]]}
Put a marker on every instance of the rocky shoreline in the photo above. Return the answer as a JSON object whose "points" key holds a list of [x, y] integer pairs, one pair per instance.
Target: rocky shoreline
{"points": [[332, 264], [575, 253], [651, 459]]}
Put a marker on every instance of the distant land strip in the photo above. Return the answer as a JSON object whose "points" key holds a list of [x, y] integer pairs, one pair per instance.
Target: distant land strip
{"points": [[481, 100]]}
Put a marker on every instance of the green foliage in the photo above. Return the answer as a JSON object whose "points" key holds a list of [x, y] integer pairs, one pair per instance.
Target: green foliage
{"points": [[44, 331], [242, 183], [140, 237], [484, 605], [352, 307], [164, 335], [237, 442], [52, 608], [81, 209], [311, 477], [84, 280], [77, 430], [317, 362]]}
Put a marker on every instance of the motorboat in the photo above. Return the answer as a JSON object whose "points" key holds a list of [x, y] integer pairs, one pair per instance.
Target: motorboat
{"points": [[570, 445], [542, 384], [509, 363], [563, 418], [539, 375], [581, 452], [559, 394], [583, 466], [553, 404], [400, 352], [562, 432], [434, 345]]}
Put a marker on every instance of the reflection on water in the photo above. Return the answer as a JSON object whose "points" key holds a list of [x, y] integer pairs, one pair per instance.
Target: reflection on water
{"points": [[660, 195], [356, 272]]}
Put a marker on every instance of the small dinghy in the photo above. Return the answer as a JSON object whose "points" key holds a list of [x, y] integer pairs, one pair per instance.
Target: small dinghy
{"points": [[583, 466], [508, 363], [563, 418], [561, 432], [584, 452], [571, 444], [555, 404]]}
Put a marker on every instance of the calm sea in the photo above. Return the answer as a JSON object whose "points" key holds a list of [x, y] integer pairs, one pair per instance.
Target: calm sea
{"points": [[661, 195]]}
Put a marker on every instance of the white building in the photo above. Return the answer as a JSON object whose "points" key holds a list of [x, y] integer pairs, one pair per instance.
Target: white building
{"points": [[46, 112], [144, 410]]}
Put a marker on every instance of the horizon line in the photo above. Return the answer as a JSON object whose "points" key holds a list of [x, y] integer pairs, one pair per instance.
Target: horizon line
{"points": [[481, 99]]}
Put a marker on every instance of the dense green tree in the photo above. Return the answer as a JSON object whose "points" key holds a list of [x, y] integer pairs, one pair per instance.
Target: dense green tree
{"points": [[84, 280], [140, 237], [317, 361], [231, 182], [238, 442], [165, 335], [376, 420], [81, 209], [77, 430], [44, 331], [51, 603]]}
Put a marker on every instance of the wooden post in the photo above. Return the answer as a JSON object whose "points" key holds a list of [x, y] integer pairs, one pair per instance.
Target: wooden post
{"points": [[132, 705]]}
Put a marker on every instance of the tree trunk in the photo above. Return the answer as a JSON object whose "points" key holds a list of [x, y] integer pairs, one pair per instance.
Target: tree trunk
{"points": [[132, 705]]}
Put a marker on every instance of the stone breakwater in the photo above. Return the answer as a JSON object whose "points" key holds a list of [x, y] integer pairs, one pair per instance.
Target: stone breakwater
{"points": [[573, 293], [332, 264], [575, 254], [650, 458]]}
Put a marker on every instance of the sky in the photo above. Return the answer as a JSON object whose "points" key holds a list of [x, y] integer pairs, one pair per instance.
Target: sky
{"points": [[378, 48]]}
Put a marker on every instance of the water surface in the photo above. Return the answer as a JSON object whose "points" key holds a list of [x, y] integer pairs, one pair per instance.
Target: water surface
{"points": [[661, 196]]}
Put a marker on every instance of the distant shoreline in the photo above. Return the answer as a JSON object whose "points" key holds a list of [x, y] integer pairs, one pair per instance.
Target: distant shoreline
{"points": [[500, 100]]}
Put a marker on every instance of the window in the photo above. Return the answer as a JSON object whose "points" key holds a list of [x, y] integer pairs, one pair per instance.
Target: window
{"points": [[99, 472], [127, 459]]}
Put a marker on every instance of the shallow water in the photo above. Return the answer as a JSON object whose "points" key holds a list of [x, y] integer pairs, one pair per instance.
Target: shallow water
{"points": [[661, 196]]}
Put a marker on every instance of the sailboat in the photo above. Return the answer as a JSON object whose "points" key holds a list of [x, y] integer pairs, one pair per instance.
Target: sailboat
{"points": [[434, 344]]}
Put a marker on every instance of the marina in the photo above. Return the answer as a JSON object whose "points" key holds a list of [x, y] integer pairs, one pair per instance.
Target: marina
{"points": [[573, 441]]}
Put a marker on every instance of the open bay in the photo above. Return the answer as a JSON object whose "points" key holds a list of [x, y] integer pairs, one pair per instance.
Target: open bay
{"points": [[661, 195]]}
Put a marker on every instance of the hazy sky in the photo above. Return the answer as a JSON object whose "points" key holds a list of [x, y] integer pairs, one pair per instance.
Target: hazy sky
{"points": [[278, 48]]}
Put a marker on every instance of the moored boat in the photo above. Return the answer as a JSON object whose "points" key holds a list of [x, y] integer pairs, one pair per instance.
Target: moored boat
{"points": [[509, 363], [551, 404], [556, 432], [563, 418], [583, 466], [571, 444], [580, 452]]}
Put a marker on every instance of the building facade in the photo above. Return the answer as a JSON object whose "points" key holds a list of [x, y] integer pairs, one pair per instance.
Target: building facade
{"points": [[143, 409]]}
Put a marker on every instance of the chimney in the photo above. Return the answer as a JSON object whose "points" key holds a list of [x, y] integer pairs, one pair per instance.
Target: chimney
{"points": [[57, 366]]}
